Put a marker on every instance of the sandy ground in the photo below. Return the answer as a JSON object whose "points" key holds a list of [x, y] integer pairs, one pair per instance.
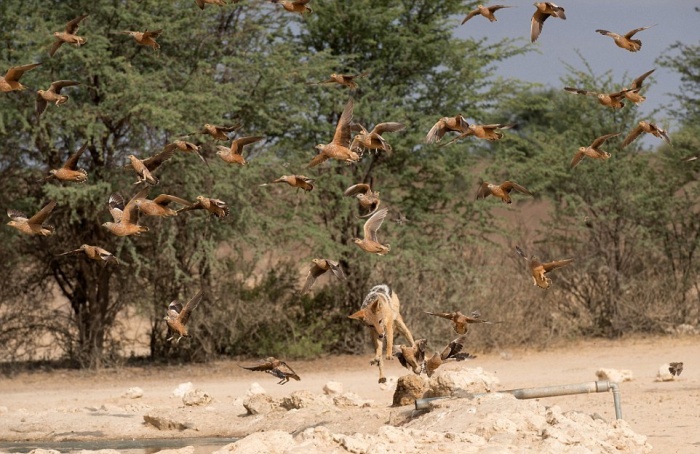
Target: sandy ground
{"points": [[82, 405]]}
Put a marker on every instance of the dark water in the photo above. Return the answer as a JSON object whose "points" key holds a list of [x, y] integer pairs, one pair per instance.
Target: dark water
{"points": [[143, 446]]}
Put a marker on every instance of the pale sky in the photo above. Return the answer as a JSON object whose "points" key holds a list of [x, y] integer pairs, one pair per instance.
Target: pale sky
{"points": [[676, 20]]}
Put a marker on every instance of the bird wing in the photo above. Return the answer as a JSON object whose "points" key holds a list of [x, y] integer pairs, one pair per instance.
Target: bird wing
{"points": [[189, 307], [70, 252], [154, 161], [631, 33], [238, 144], [637, 83], [447, 315], [549, 266], [373, 224], [498, 126], [73, 160], [484, 191], [664, 134], [116, 206], [43, 214], [260, 367], [72, 26], [40, 104], [606, 32], [301, 2], [130, 210], [453, 348], [287, 370], [164, 199], [497, 7], [578, 91], [400, 356], [200, 3], [13, 74], [632, 136], [436, 132], [54, 47], [152, 33], [360, 188], [536, 24], [57, 85], [521, 253], [314, 272], [175, 306], [600, 140], [228, 128], [336, 269], [342, 131], [577, 158], [390, 126], [319, 158], [471, 14], [510, 185], [16, 215]]}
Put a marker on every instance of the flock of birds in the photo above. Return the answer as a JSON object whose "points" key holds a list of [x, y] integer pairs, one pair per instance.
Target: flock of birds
{"points": [[349, 143]]}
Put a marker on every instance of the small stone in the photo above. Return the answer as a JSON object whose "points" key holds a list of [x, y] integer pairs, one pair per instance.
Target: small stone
{"points": [[196, 397], [255, 388], [614, 375], [408, 389], [133, 393], [333, 387]]}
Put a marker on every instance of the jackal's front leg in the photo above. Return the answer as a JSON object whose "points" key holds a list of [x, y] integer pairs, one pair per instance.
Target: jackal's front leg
{"points": [[389, 336]]}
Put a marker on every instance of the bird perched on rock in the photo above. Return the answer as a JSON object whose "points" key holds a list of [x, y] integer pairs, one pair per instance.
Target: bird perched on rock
{"points": [[502, 191], [94, 253], [214, 206], [370, 243], [10, 81], [486, 11], [593, 151], [373, 140], [632, 93], [447, 124], [274, 366], [296, 181], [146, 37], [145, 167], [539, 269], [338, 148], [453, 351], [347, 80], [159, 205], [234, 153], [412, 357], [319, 267], [625, 41], [612, 100], [217, 132], [53, 95], [125, 215], [69, 171], [369, 200], [69, 35], [295, 6], [177, 316], [186, 147], [460, 321], [35, 224], [649, 128], [543, 12]]}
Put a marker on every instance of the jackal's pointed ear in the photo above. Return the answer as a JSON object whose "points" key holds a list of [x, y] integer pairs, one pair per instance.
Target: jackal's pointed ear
{"points": [[374, 306], [359, 315]]}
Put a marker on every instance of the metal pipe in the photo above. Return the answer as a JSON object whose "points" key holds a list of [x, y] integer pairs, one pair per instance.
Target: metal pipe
{"points": [[548, 391]]}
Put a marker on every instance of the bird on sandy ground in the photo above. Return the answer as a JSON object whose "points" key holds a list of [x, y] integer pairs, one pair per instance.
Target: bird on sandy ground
{"points": [[145, 38], [370, 243], [295, 181], [453, 351], [633, 91], [543, 12], [593, 151], [488, 132], [347, 80], [369, 200], [69, 171], [539, 269], [69, 36], [125, 215], [338, 148], [234, 153], [319, 267], [296, 6], [217, 207], [373, 139], [625, 41], [177, 316], [94, 253], [486, 11], [412, 357], [201, 3], [502, 191], [159, 205], [460, 321], [447, 124], [612, 100], [35, 224], [649, 128], [145, 167], [217, 132], [675, 368], [186, 147], [10, 81], [53, 95], [275, 367]]}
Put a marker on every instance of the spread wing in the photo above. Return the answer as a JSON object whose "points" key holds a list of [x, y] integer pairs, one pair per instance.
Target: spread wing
{"points": [[116, 206], [521, 253], [637, 83], [228, 128], [43, 214], [238, 144], [287, 370], [189, 307], [175, 306], [73, 160], [632, 136], [152, 33], [471, 14], [510, 185], [336, 269], [373, 224], [549, 266], [319, 158], [16, 215], [447, 315], [536, 24], [260, 367], [59, 84], [54, 47], [436, 132], [607, 33], [577, 158], [72, 26], [499, 126], [153, 162], [578, 91], [14, 73], [342, 131], [40, 105], [314, 272], [600, 140], [631, 33], [453, 348], [164, 199], [484, 191], [399, 355], [390, 126], [355, 189], [130, 210]]}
